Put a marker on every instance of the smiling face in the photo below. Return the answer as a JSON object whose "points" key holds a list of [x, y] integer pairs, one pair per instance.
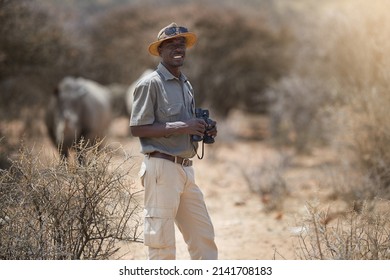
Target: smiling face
{"points": [[173, 52]]}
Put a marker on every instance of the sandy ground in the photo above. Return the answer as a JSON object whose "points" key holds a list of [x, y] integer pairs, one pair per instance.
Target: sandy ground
{"points": [[246, 227]]}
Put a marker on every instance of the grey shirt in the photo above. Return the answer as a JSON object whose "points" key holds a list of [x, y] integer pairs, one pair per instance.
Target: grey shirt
{"points": [[160, 97]]}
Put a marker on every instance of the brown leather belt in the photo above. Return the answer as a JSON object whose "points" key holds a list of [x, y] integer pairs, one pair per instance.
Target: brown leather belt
{"points": [[182, 161]]}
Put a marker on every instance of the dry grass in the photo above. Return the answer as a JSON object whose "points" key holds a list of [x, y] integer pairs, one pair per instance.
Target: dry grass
{"points": [[359, 234], [63, 210]]}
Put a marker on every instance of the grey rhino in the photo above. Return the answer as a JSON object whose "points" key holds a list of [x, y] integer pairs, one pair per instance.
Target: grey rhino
{"points": [[79, 109]]}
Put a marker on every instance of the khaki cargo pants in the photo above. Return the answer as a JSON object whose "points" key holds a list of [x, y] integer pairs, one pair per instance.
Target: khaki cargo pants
{"points": [[171, 196]]}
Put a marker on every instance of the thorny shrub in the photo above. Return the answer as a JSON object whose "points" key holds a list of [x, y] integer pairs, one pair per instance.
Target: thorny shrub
{"points": [[65, 210], [360, 234]]}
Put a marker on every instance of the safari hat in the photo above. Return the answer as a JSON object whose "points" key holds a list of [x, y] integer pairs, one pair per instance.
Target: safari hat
{"points": [[169, 32]]}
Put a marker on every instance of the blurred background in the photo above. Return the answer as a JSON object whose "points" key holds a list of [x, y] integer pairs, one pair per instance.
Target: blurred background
{"points": [[316, 71]]}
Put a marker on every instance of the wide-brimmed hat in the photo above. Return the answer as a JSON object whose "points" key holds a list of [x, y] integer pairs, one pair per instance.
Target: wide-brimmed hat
{"points": [[169, 32]]}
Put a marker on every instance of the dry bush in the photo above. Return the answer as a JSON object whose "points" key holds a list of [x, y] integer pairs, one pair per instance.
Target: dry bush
{"points": [[303, 104], [35, 53], [337, 89], [34, 42], [42, 41], [5, 149], [349, 235], [267, 181], [344, 182], [300, 112], [236, 58], [63, 210], [358, 48], [128, 30], [371, 138]]}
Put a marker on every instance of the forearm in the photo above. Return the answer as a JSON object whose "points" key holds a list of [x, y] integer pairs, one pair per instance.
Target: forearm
{"points": [[159, 129]]}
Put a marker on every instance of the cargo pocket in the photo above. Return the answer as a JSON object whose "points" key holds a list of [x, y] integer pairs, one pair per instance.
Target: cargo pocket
{"points": [[159, 231]]}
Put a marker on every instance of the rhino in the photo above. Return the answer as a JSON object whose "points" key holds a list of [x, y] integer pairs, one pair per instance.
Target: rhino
{"points": [[79, 109]]}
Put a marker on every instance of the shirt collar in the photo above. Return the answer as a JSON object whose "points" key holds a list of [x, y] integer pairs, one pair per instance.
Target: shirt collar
{"points": [[168, 75]]}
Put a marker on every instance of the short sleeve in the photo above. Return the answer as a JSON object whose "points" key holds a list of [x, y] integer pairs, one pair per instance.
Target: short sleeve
{"points": [[142, 112]]}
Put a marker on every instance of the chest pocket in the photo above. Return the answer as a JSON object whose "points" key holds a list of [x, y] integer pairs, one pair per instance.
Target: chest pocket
{"points": [[170, 113]]}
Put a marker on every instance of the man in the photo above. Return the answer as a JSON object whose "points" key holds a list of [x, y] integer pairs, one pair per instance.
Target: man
{"points": [[163, 117]]}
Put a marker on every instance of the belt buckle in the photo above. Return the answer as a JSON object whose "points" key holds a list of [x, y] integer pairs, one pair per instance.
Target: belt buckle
{"points": [[186, 162]]}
